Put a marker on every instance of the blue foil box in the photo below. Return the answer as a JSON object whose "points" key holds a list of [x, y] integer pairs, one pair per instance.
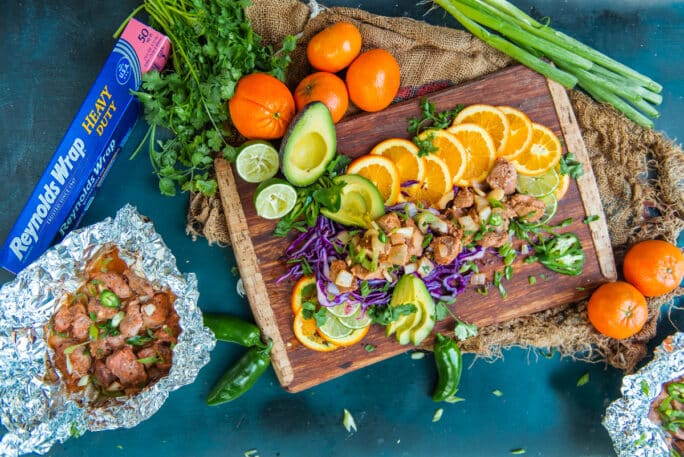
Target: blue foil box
{"points": [[88, 149]]}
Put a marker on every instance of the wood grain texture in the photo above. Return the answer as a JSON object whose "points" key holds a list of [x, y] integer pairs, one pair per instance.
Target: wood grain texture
{"points": [[587, 182], [270, 301], [248, 264]]}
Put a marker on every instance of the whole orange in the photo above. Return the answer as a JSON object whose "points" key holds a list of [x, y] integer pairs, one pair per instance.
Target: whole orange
{"points": [[373, 80], [334, 47], [617, 309], [262, 107], [323, 87], [655, 267]]}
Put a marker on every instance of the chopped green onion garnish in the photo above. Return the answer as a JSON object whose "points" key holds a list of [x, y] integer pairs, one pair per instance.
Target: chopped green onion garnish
{"points": [[438, 415], [583, 379], [348, 421]]}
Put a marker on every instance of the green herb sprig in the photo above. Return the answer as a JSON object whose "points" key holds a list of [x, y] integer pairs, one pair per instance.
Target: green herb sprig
{"points": [[212, 46]]}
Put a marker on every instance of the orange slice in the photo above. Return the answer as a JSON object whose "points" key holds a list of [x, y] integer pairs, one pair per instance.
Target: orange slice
{"points": [[305, 331], [543, 154], [449, 149], [437, 182], [382, 172], [490, 118], [353, 338], [520, 132], [563, 186], [304, 290], [404, 154], [480, 152]]}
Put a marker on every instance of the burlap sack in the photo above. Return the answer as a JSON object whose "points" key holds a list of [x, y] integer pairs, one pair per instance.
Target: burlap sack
{"points": [[640, 173]]}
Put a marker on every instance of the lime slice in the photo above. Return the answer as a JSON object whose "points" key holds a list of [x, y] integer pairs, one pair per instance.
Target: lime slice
{"points": [[355, 320], [257, 161], [333, 328], [551, 205], [274, 198], [538, 186], [344, 309]]}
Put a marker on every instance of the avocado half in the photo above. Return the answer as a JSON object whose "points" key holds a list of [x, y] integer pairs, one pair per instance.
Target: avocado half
{"points": [[309, 145]]}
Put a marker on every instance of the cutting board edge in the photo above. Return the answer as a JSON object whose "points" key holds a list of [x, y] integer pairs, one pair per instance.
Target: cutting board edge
{"points": [[586, 184], [250, 272]]}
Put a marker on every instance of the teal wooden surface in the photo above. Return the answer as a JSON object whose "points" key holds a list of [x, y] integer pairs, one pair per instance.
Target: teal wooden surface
{"points": [[52, 51]]}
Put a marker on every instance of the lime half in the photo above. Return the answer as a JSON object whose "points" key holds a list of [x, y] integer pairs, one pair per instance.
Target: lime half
{"points": [[274, 198], [538, 186], [333, 328], [355, 320], [257, 161], [551, 205]]}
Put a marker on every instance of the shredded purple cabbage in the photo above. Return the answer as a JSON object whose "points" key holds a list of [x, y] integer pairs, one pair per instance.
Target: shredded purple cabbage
{"points": [[409, 183], [319, 245]]}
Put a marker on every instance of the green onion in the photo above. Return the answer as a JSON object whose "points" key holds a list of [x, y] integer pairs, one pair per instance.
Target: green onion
{"points": [[530, 42], [348, 421], [438, 415], [93, 332]]}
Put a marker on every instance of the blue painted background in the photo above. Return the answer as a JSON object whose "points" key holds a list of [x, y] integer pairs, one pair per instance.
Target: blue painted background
{"points": [[52, 51]]}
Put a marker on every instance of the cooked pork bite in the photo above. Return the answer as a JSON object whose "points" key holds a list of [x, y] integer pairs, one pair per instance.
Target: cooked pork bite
{"points": [[342, 277], [464, 198], [445, 249], [388, 222], [503, 176], [139, 285], [527, 207], [155, 312], [125, 366], [132, 323], [114, 282]]}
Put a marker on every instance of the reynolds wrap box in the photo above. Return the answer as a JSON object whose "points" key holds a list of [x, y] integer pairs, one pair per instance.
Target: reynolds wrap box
{"points": [[82, 160]]}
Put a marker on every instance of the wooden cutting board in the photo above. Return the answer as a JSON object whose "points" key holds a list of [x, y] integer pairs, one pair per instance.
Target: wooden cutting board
{"points": [[258, 253]]}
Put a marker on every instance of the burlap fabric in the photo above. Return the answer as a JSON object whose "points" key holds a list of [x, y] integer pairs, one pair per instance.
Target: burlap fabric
{"points": [[640, 173]]}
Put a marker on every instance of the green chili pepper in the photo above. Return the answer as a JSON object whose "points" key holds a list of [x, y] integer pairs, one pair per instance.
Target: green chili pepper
{"points": [[241, 376], [233, 330], [109, 299], [448, 360]]}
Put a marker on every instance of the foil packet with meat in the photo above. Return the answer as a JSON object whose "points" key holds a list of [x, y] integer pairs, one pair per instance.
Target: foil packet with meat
{"points": [[647, 421], [95, 334]]}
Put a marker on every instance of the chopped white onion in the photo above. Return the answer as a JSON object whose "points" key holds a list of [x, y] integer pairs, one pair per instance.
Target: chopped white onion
{"points": [[525, 249], [496, 194], [406, 232], [149, 309], [485, 213], [84, 381], [468, 224], [410, 268], [478, 279], [344, 279]]}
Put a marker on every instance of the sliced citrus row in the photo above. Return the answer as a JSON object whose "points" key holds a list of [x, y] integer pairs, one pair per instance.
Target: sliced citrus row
{"points": [[382, 172], [543, 153], [303, 291], [563, 187], [520, 135], [404, 154], [437, 181], [448, 149], [490, 118], [306, 332], [480, 151], [344, 325]]}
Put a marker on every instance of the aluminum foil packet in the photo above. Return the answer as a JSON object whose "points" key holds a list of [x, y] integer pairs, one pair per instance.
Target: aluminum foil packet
{"points": [[627, 420], [38, 413]]}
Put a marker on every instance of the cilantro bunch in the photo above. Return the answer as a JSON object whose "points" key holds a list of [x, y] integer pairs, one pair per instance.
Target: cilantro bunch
{"points": [[213, 45]]}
